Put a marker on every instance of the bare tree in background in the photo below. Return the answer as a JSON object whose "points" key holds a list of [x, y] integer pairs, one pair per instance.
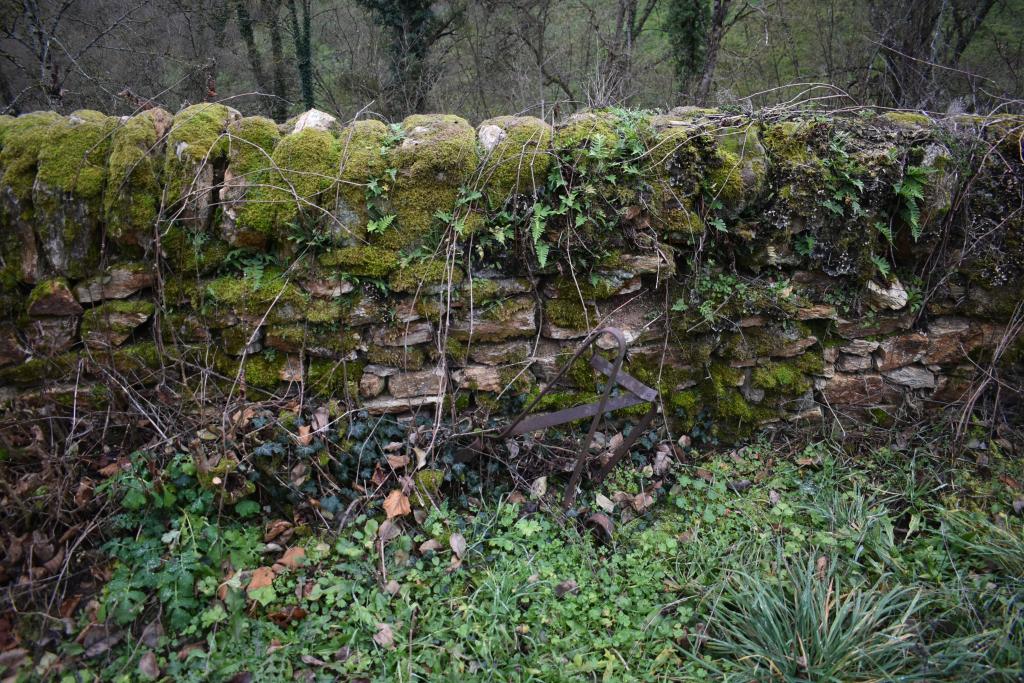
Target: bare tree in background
{"points": [[415, 27], [615, 74], [921, 43], [268, 14]]}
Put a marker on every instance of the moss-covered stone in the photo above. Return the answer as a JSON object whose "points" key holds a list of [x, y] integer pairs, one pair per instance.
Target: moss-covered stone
{"points": [[272, 294], [131, 199], [517, 156], [298, 188], [264, 370], [422, 275], [570, 313], [437, 157], [68, 192], [362, 147], [251, 142], [908, 119], [427, 487], [37, 370], [780, 378], [334, 378], [196, 143], [193, 253], [23, 139], [407, 358], [361, 261]]}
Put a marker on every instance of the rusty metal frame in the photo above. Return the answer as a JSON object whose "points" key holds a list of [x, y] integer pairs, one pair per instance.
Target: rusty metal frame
{"points": [[635, 393]]}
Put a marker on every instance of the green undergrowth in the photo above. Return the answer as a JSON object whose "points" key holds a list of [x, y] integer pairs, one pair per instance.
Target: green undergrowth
{"points": [[749, 565]]}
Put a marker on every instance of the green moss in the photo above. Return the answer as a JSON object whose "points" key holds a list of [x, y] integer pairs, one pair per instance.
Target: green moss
{"points": [[592, 287], [687, 404], [136, 357], [361, 261], [725, 181], [99, 318], [519, 163], [583, 130], [361, 145], [908, 119], [780, 378], [325, 311], [787, 142], [193, 253], [305, 169], [47, 288], [569, 313], [437, 157], [264, 370], [251, 141], [131, 199], [254, 296], [23, 139], [37, 370], [507, 309], [236, 338], [409, 358], [74, 157], [427, 487], [196, 138], [422, 274], [322, 338], [480, 290], [334, 378]]}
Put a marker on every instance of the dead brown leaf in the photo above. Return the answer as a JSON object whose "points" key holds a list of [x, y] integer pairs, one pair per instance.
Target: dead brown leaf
{"points": [[388, 530], [821, 566], [601, 524], [275, 529], [261, 578], [604, 503], [458, 544], [642, 501], [312, 661], [566, 587], [305, 436], [148, 667], [384, 636], [321, 418], [293, 558], [398, 461], [287, 615], [431, 545], [397, 504]]}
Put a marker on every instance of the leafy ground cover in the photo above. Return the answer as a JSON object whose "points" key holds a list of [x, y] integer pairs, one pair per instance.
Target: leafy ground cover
{"points": [[763, 563]]}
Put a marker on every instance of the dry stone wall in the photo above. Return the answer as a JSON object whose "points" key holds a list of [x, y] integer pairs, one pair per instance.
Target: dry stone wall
{"points": [[765, 267]]}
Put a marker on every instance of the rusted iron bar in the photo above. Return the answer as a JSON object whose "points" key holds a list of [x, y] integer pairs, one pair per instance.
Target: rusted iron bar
{"points": [[637, 393]]}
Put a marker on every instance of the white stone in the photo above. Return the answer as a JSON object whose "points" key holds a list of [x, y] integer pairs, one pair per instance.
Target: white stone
{"points": [[490, 135], [893, 297], [315, 120]]}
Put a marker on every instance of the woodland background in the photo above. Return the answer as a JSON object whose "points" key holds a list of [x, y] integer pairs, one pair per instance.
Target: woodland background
{"points": [[481, 58]]}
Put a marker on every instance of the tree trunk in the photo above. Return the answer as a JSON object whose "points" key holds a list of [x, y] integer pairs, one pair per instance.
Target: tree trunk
{"points": [[303, 50], [714, 44]]}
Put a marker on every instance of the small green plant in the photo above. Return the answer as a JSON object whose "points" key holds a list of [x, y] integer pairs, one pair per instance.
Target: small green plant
{"points": [[882, 265], [378, 225], [910, 193], [804, 245], [249, 262], [816, 625]]}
